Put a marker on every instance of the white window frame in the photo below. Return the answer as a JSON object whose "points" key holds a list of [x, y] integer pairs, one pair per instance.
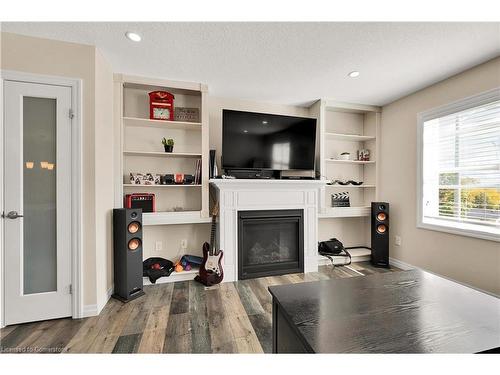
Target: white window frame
{"points": [[422, 117]]}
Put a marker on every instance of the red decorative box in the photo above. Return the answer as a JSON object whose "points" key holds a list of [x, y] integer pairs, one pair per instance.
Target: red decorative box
{"points": [[161, 105], [146, 201]]}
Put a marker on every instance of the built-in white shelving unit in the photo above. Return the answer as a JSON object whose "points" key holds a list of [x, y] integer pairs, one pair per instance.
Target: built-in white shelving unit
{"points": [[174, 276], [159, 154], [352, 186], [339, 161], [141, 151], [172, 186], [171, 218], [345, 127], [349, 137], [339, 212], [163, 124]]}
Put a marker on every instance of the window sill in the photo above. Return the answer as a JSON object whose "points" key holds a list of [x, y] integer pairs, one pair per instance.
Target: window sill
{"points": [[461, 229]]}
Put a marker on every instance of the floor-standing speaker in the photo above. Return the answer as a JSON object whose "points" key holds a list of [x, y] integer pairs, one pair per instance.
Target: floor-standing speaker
{"points": [[127, 240], [380, 234]]}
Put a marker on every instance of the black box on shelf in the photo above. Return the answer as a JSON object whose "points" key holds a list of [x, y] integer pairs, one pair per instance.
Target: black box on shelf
{"points": [[188, 179], [178, 178], [341, 199], [168, 179]]}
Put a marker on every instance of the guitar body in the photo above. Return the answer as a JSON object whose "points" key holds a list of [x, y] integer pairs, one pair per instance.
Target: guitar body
{"points": [[211, 272]]}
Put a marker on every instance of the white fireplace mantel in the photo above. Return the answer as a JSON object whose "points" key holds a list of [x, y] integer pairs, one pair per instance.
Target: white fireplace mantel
{"points": [[245, 195]]}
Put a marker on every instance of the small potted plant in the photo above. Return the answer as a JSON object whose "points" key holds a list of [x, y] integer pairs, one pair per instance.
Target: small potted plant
{"points": [[168, 144]]}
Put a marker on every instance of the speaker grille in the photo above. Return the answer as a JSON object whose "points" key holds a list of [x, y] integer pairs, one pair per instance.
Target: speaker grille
{"points": [[134, 244], [134, 227]]}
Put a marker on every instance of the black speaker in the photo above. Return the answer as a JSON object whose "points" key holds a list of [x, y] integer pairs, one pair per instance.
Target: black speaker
{"points": [[380, 234], [127, 241]]}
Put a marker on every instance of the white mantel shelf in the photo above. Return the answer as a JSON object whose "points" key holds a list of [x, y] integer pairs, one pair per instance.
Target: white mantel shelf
{"points": [[265, 183], [236, 195]]}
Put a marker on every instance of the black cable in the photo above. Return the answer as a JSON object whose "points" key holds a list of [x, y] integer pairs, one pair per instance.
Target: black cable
{"points": [[330, 256]]}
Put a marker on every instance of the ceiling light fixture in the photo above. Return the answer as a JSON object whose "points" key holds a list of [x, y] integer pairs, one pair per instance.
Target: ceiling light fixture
{"points": [[353, 74], [264, 122], [134, 37], [245, 131]]}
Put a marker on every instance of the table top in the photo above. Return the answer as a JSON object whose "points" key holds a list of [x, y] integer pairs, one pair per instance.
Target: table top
{"points": [[394, 312]]}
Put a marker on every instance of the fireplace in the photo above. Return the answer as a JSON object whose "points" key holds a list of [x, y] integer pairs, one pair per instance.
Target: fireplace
{"points": [[270, 242]]}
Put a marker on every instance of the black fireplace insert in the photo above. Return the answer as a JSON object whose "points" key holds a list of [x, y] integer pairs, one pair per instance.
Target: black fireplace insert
{"points": [[270, 242]]}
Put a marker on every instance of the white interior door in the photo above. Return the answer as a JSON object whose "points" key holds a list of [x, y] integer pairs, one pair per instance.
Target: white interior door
{"points": [[37, 194]]}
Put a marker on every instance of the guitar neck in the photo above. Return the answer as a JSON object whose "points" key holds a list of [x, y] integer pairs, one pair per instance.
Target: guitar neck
{"points": [[212, 235]]}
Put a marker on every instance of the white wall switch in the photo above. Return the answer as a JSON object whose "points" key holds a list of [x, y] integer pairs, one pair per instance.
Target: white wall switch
{"points": [[158, 246], [184, 244], [397, 240]]}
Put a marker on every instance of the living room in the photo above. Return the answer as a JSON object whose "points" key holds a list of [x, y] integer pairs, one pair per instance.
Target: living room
{"points": [[250, 187]]}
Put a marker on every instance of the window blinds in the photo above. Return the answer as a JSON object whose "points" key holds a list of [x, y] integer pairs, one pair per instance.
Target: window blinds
{"points": [[461, 166]]}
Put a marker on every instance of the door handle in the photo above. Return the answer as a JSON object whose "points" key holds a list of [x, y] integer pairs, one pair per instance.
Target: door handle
{"points": [[12, 215]]}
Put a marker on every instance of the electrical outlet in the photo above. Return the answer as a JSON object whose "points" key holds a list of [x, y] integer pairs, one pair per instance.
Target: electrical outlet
{"points": [[184, 244], [397, 240], [158, 246]]}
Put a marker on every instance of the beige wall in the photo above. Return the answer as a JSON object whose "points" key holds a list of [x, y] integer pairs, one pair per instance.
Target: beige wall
{"points": [[104, 178], [465, 259], [50, 57]]}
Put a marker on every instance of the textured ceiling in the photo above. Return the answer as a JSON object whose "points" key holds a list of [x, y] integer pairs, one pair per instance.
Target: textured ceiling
{"points": [[288, 63]]}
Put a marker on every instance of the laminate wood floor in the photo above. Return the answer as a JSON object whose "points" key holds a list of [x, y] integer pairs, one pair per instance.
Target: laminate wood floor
{"points": [[182, 317]]}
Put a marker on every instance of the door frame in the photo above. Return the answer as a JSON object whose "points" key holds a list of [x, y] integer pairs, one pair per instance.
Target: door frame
{"points": [[76, 86]]}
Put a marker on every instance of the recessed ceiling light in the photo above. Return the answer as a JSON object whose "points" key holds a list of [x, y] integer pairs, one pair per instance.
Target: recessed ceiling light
{"points": [[353, 74], [245, 131], [134, 37], [264, 122]]}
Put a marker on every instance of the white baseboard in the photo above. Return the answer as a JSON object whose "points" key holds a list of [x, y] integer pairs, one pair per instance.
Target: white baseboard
{"points": [[108, 296], [110, 292], [400, 264], [94, 310], [406, 266], [89, 310]]}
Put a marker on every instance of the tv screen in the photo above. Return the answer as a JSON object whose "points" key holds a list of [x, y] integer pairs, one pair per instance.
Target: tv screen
{"points": [[263, 141]]}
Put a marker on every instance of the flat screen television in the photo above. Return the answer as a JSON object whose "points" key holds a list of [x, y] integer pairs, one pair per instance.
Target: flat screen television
{"points": [[261, 141]]}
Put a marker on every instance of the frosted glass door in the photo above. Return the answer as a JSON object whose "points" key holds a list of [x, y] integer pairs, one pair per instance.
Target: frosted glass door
{"points": [[37, 202], [39, 195]]}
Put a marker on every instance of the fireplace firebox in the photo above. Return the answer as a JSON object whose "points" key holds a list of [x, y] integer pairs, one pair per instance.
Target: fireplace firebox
{"points": [[270, 242]]}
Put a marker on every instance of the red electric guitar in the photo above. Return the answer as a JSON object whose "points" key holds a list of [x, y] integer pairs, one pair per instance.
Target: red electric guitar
{"points": [[211, 272]]}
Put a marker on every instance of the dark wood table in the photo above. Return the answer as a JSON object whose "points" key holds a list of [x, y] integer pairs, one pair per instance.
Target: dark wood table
{"points": [[395, 312]]}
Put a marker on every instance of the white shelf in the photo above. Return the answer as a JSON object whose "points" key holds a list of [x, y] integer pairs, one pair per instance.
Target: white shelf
{"points": [[339, 212], [162, 154], [332, 105], [357, 255], [350, 161], [349, 137], [337, 186], [180, 217], [360, 252], [158, 186], [166, 124], [174, 276]]}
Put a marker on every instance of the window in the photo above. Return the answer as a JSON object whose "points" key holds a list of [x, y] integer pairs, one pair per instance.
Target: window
{"points": [[459, 167]]}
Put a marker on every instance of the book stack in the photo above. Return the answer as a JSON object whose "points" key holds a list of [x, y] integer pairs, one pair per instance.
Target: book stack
{"points": [[197, 173]]}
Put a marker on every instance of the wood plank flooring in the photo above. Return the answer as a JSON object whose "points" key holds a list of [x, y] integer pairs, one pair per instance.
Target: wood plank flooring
{"points": [[182, 317]]}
